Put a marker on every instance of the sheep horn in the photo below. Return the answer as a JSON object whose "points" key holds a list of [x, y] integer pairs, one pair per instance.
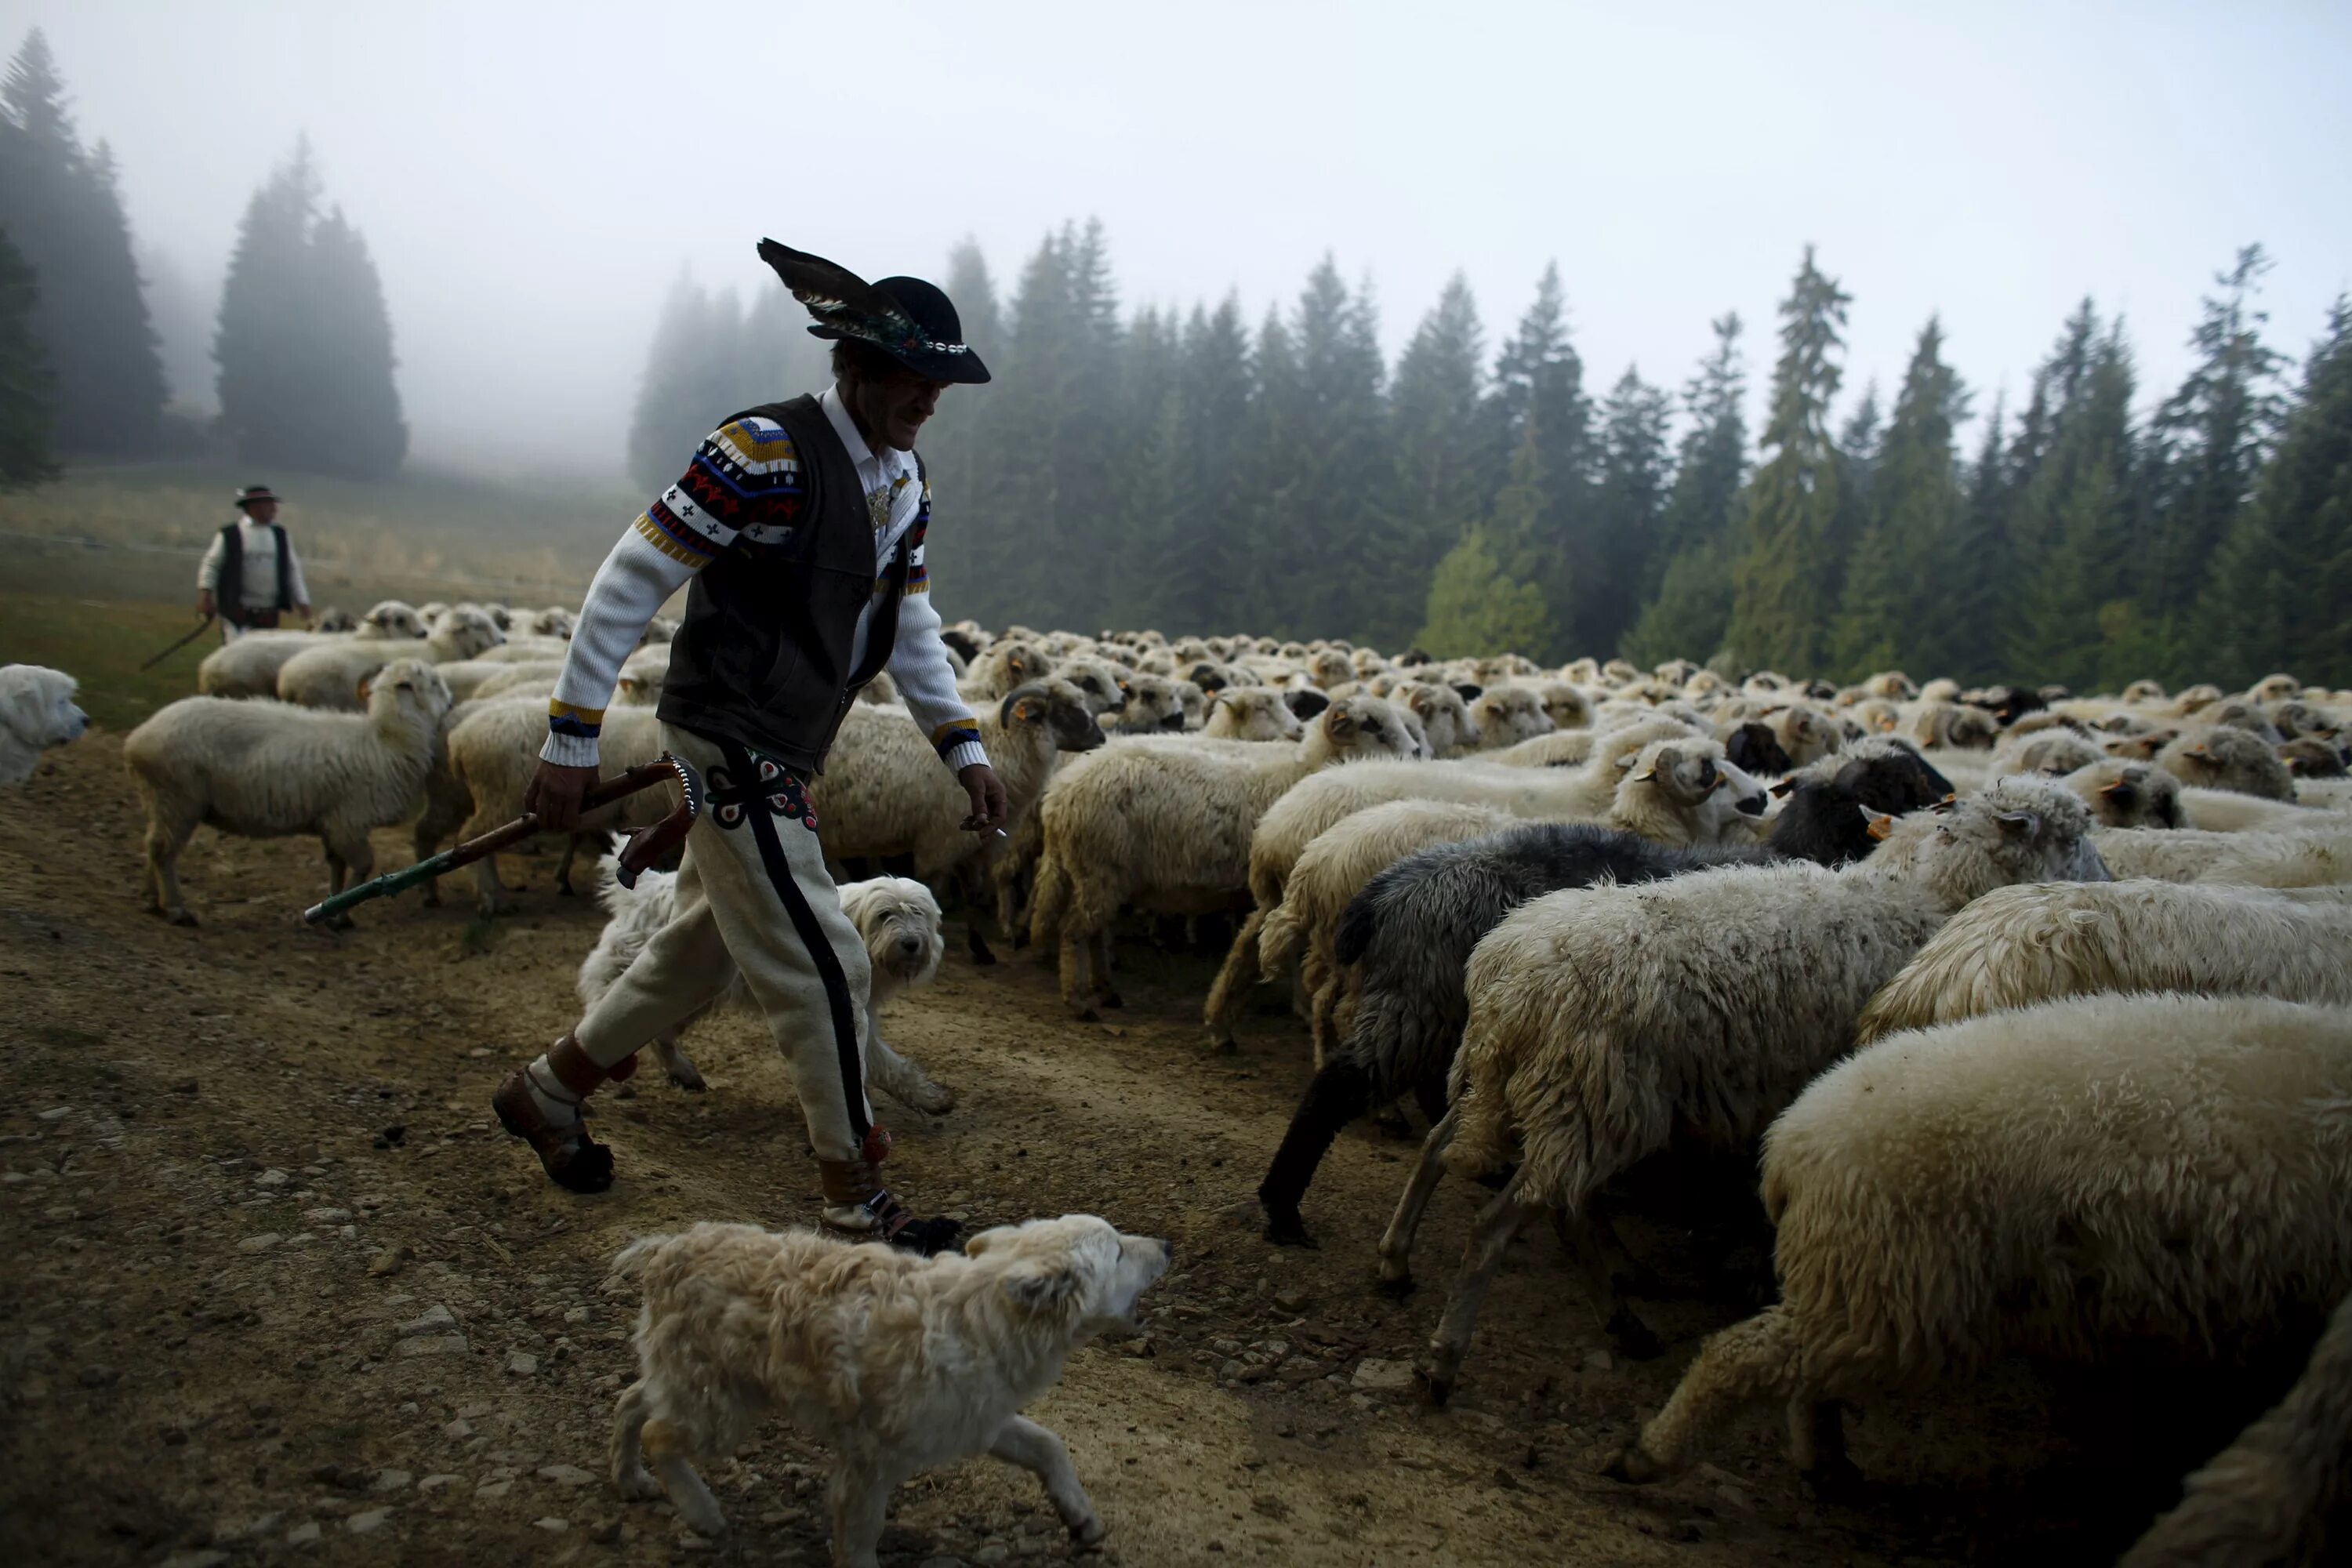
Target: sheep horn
{"points": [[642, 850]]}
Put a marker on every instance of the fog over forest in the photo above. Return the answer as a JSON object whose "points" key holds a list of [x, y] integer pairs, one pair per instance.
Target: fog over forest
{"points": [[531, 183]]}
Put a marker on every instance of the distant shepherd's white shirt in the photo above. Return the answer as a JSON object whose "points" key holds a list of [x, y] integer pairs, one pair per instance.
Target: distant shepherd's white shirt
{"points": [[260, 566]]}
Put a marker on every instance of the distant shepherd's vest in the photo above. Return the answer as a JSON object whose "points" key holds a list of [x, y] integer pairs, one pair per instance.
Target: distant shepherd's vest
{"points": [[763, 656], [230, 595]]}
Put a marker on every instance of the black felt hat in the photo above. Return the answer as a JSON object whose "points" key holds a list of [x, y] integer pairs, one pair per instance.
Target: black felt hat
{"points": [[912, 322], [252, 493]]}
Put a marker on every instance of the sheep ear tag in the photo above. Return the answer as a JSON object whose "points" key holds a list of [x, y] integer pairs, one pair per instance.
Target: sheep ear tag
{"points": [[1948, 804], [1781, 790], [2115, 790], [1880, 825]]}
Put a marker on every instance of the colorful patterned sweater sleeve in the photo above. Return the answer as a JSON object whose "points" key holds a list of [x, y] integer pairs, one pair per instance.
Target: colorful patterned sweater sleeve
{"points": [[742, 475], [919, 662]]}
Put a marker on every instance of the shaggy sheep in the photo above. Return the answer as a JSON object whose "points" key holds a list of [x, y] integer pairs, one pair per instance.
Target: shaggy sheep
{"points": [[2275, 688], [1570, 709], [2232, 811], [884, 792], [1953, 724], [2035, 1182], [2283, 1492], [1166, 825], [1505, 715], [250, 666], [261, 769], [2056, 749], [2186, 854], [896, 917], [1445, 719], [1252, 713], [330, 675], [1001, 666], [36, 712], [2128, 795], [2018, 946], [1405, 939], [1606, 1025], [2318, 857], [1805, 734], [2228, 758]]}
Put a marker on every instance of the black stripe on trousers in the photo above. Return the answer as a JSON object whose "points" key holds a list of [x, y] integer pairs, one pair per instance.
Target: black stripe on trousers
{"points": [[812, 935]]}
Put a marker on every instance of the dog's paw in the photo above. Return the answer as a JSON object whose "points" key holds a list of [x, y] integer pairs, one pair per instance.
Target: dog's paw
{"points": [[1089, 1531], [638, 1485], [926, 1095]]}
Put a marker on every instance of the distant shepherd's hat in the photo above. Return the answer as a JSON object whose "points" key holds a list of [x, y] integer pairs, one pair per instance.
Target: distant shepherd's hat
{"points": [[252, 493], [912, 322]]}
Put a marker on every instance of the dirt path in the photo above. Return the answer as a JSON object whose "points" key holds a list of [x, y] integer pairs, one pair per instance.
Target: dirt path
{"points": [[276, 1287]]}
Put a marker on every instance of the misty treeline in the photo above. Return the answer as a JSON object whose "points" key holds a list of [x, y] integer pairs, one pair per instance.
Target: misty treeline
{"points": [[302, 340], [1193, 471]]}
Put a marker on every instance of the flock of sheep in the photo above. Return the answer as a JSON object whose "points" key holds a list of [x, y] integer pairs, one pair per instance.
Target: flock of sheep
{"points": [[2039, 1005]]}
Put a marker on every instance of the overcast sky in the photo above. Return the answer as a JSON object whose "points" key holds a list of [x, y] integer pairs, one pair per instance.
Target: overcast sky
{"points": [[533, 177]]}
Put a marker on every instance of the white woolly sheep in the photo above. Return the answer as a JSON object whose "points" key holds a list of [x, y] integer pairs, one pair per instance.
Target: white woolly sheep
{"points": [[896, 917], [470, 678], [1505, 715], [2016, 947], [1447, 722], [1166, 825], [2055, 750], [331, 676], [2064, 1182], [1807, 734], [1605, 1024], [1680, 790], [494, 750], [2274, 689], [2280, 1493], [1252, 713], [1154, 705], [2189, 854], [1004, 665], [524, 649], [36, 712], [555, 621], [1570, 709], [884, 792], [265, 770], [2228, 758], [250, 666], [2231, 811], [1943, 689], [1952, 724], [2128, 795]]}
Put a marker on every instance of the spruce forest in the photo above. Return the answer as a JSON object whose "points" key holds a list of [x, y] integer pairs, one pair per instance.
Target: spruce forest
{"points": [[1196, 472]]}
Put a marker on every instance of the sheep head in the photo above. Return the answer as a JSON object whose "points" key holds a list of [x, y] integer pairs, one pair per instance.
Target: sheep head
{"points": [[2019, 829], [1058, 707], [1364, 727]]}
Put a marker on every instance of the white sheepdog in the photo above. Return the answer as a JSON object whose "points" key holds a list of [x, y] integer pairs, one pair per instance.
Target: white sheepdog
{"points": [[896, 916], [36, 712], [895, 1363]]}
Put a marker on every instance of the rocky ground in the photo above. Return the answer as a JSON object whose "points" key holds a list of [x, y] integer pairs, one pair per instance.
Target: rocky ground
{"points": [[277, 1289]]}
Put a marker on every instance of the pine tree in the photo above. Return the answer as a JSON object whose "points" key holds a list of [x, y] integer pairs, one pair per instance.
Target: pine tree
{"points": [[28, 391], [1600, 597], [62, 207], [1687, 579], [1911, 483], [1332, 414], [2208, 438], [304, 342], [2080, 623], [1783, 592], [2282, 577], [1438, 484], [1204, 563], [1477, 605]]}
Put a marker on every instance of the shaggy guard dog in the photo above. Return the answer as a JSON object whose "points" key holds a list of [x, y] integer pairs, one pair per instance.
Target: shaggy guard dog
{"points": [[896, 916], [895, 1363], [36, 712]]}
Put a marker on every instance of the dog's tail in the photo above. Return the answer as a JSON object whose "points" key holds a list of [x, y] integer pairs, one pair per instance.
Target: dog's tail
{"points": [[629, 1263]]}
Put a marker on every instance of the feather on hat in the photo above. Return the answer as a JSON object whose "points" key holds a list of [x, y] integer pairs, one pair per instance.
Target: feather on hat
{"points": [[908, 319]]}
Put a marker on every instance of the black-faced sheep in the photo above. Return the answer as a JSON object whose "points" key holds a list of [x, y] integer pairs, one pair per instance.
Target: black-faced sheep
{"points": [[2064, 1182]]}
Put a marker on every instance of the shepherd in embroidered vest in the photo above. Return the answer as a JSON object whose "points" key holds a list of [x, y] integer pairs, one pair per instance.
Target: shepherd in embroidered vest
{"points": [[800, 526], [251, 577]]}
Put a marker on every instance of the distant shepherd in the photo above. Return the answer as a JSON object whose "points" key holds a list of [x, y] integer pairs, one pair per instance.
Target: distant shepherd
{"points": [[251, 575]]}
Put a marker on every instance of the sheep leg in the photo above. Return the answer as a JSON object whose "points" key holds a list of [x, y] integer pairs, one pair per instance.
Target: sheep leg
{"points": [[1580, 1236], [1077, 953], [1748, 1360], [1396, 1242], [1496, 1224], [1341, 1091], [1322, 1010], [1241, 968], [351, 860], [164, 842], [492, 894], [1106, 993]]}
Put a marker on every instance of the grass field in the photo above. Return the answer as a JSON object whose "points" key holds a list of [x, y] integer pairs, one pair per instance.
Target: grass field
{"points": [[104, 561]]}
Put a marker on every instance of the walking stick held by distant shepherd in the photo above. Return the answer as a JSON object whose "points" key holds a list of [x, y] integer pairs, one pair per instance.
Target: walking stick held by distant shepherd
{"points": [[643, 849], [178, 646]]}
